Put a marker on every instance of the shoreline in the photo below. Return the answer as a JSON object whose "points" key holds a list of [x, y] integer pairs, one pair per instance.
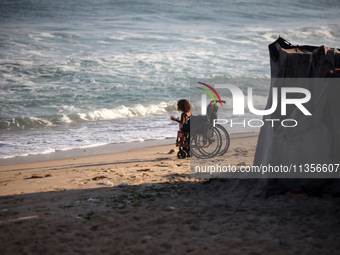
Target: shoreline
{"points": [[93, 150], [85, 151]]}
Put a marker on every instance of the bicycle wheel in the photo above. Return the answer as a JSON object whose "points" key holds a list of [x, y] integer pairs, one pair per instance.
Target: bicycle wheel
{"points": [[205, 142]]}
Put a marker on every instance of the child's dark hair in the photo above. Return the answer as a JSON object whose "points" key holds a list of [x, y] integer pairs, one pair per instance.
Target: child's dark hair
{"points": [[183, 105]]}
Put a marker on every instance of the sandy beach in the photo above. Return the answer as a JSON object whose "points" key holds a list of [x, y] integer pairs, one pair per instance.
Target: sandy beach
{"points": [[143, 201]]}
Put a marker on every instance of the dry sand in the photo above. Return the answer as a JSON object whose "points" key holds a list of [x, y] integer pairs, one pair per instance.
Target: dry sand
{"points": [[143, 201]]}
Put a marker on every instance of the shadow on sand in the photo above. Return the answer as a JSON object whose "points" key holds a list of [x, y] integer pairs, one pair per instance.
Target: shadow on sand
{"points": [[177, 217]]}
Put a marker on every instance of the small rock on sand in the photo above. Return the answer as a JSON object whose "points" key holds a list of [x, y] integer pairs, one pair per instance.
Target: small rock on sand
{"points": [[37, 176], [99, 177], [107, 183], [143, 170]]}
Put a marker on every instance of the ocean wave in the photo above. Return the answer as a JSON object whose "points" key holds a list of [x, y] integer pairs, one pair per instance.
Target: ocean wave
{"points": [[118, 112], [326, 34], [123, 111]]}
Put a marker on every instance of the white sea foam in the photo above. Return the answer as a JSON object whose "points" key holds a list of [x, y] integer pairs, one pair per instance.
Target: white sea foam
{"points": [[50, 35], [66, 119], [316, 35], [41, 121], [123, 111], [250, 41]]}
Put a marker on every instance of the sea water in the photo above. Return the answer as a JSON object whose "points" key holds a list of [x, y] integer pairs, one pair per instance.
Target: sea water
{"points": [[83, 73]]}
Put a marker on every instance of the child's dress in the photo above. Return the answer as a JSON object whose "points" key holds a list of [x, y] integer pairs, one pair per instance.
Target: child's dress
{"points": [[181, 125]]}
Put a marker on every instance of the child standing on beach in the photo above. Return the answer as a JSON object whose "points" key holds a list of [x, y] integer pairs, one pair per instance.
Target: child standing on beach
{"points": [[184, 106]]}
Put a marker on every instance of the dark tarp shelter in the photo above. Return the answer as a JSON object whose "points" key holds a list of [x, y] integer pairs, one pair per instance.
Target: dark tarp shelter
{"points": [[316, 138]]}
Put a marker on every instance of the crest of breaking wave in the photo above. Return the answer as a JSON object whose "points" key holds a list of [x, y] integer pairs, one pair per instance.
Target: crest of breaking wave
{"points": [[119, 112]]}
